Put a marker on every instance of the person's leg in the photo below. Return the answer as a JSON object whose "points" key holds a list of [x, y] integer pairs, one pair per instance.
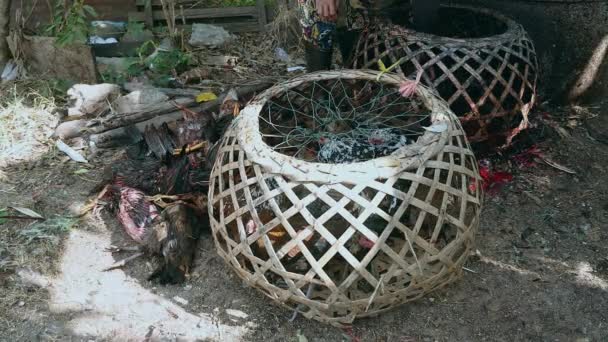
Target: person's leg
{"points": [[353, 18], [426, 14], [318, 37]]}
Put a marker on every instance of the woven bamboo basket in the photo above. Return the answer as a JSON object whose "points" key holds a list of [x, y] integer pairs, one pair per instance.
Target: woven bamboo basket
{"points": [[341, 241], [482, 63]]}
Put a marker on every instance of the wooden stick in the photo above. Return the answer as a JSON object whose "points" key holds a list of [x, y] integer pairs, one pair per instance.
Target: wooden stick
{"points": [[115, 249], [123, 262], [121, 120], [190, 149], [116, 121]]}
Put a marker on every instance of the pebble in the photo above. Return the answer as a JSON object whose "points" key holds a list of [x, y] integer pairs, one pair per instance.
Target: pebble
{"points": [[180, 300], [237, 313]]}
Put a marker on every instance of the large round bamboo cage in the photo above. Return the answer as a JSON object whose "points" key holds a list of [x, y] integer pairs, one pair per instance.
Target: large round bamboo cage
{"points": [[482, 63], [344, 240]]}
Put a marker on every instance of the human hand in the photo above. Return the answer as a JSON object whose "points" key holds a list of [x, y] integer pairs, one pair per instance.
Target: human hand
{"points": [[327, 9]]}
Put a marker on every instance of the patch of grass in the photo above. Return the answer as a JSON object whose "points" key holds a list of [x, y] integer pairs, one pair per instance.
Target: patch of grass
{"points": [[36, 245], [35, 92], [50, 230]]}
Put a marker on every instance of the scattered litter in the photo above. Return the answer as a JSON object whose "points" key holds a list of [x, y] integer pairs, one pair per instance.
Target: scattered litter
{"points": [[281, 55], [10, 72], [106, 28], [180, 300], [237, 313], [469, 270], [296, 68], [209, 35], [75, 156], [139, 100], [96, 40], [28, 212], [223, 61], [205, 97], [91, 99]]}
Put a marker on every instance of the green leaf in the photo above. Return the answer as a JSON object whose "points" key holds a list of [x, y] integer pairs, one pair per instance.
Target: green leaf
{"points": [[3, 212], [28, 212], [90, 10], [301, 337], [81, 171]]}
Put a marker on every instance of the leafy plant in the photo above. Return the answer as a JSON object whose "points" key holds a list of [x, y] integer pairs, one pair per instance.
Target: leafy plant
{"points": [[135, 28], [167, 62], [70, 21], [48, 230]]}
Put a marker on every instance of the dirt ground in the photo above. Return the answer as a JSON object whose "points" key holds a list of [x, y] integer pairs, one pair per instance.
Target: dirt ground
{"points": [[541, 271]]}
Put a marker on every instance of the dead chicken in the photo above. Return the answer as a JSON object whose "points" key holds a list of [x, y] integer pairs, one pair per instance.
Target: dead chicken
{"points": [[175, 237], [171, 234]]}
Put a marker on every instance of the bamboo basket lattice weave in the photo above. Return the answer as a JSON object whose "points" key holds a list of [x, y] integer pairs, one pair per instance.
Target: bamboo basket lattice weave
{"points": [[482, 63], [337, 241]]}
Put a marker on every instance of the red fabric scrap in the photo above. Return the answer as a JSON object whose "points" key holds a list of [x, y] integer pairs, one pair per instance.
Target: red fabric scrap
{"points": [[366, 243]]}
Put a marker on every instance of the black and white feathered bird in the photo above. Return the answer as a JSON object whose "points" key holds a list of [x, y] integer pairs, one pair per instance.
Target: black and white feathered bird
{"points": [[380, 143]]}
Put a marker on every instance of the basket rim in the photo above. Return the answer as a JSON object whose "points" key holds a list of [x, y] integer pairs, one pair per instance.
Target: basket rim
{"points": [[513, 28], [406, 158]]}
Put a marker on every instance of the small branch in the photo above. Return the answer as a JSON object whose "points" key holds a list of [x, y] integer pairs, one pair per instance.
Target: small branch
{"points": [[191, 149], [122, 262], [115, 249]]}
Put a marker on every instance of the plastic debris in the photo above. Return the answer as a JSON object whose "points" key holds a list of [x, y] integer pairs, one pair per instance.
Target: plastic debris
{"points": [[296, 68], [205, 97], [281, 55], [209, 35], [70, 152], [96, 40], [237, 313], [10, 72], [180, 300]]}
